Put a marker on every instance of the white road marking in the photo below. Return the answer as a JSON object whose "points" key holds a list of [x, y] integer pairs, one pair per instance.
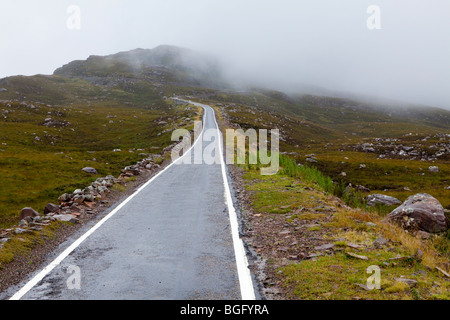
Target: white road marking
{"points": [[245, 278]]}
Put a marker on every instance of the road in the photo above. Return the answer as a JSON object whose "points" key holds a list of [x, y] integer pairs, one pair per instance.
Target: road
{"points": [[174, 239]]}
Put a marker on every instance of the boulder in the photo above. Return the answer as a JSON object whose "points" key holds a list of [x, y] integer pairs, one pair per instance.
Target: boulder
{"points": [[376, 198], [90, 170], [420, 211], [28, 212], [50, 207]]}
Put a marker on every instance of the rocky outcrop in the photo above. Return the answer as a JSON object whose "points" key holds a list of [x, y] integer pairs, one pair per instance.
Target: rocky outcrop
{"points": [[421, 212], [376, 198]]}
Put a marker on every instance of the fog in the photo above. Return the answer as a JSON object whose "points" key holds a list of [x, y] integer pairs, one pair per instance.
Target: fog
{"points": [[317, 45]]}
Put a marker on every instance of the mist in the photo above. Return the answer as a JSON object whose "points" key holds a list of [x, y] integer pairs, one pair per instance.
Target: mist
{"points": [[291, 45]]}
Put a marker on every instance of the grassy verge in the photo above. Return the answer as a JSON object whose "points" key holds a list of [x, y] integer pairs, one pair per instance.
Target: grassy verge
{"points": [[295, 212]]}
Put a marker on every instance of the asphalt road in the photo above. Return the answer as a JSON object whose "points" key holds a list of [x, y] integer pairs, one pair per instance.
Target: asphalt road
{"points": [[172, 240]]}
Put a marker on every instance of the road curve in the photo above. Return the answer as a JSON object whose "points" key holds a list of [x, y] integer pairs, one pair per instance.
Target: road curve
{"points": [[174, 239]]}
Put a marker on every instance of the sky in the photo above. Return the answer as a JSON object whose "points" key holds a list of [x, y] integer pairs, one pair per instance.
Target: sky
{"points": [[395, 49]]}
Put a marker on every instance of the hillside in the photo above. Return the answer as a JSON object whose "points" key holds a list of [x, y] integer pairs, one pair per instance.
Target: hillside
{"points": [[163, 64]]}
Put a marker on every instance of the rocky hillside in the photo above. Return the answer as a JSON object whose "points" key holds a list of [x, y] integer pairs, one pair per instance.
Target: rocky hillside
{"points": [[164, 64]]}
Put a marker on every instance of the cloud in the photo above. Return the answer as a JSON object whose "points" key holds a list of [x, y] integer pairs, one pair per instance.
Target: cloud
{"points": [[284, 43]]}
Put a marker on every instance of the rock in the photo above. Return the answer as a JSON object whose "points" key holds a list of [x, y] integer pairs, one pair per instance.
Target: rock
{"points": [[23, 223], [354, 245], [20, 230], [433, 169], [90, 170], [28, 212], [324, 247], [356, 256], [380, 242], [64, 197], [420, 211], [422, 235], [89, 198], [50, 207], [443, 272], [90, 205], [419, 254], [78, 199], [376, 198], [65, 217], [409, 282], [362, 188]]}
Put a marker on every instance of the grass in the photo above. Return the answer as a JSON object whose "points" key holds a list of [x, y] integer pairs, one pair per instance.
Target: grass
{"points": [[299, 194]]}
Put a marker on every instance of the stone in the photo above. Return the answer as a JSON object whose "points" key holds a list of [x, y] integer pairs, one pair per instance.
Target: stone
{"points": [[89, 198], [380, 242], [409, 282], [443, 272], [90, 205], [20, 230], [28, 212], [376, 198], [78, 199], [324, 247], [23, 223], [420, 211], [354, 255], [433, 169], [65, 217], [90, 170], [50, 207], [423, 235], [362, 188], [64, 197]]}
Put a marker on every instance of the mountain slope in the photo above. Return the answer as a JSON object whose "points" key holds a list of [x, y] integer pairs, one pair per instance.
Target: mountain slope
{"points": [[166, 64]]}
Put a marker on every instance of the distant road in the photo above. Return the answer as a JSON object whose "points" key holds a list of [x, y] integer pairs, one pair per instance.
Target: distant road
{"points": [[175, 238]]}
